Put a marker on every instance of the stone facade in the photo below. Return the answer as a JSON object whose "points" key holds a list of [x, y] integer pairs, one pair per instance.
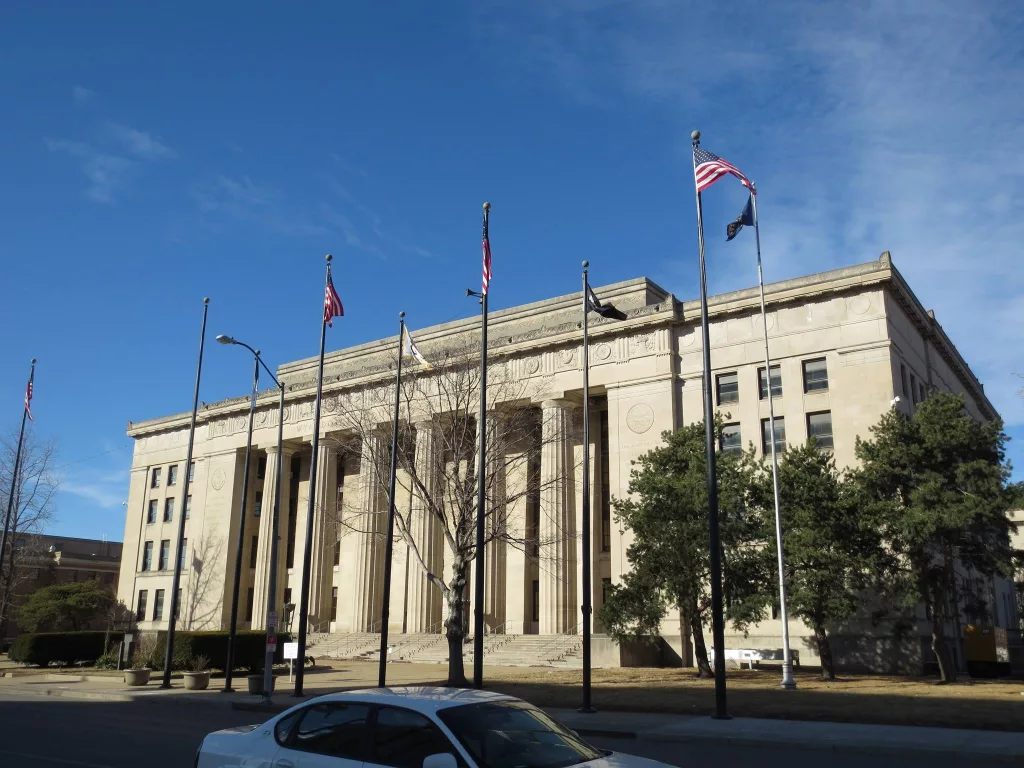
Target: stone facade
{"points": [[859, 333]]}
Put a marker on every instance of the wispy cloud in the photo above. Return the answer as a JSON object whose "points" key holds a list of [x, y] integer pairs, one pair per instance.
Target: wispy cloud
{"points": [[239, 196], [106, 490], [137, 143], [869, 127], [82, 94]]}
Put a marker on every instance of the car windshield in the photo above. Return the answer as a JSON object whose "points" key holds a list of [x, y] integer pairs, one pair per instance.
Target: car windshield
{"points": [[514, 734]]}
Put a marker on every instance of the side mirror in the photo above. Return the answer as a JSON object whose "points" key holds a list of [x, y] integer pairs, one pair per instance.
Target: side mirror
{"points": [[442, 760]]}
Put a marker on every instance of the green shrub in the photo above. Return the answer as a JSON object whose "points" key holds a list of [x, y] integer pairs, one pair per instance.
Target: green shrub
{"points": [[106, 661], [43, 648], [250, 649]]}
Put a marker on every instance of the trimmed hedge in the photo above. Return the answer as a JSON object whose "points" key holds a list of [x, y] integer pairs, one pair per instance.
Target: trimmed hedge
{"points": [[250, 649], [42, 648]]}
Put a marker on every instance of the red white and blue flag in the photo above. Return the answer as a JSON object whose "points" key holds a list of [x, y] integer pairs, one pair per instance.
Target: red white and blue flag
{"points": [[709, 168], [28, 394], [332, 302], [487, 260]]}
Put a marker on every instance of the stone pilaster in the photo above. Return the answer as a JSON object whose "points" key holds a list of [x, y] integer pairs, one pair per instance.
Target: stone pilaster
{"points": [[558, 603], [262, 576], [324, 535], [425, 599], [495, 552], [369, 524]]}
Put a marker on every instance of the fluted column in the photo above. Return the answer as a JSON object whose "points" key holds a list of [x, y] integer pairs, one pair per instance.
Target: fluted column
{"points": [[557, 520], [425, 599], [369, 549], [494, 553], [324, 525], [262, 576]]}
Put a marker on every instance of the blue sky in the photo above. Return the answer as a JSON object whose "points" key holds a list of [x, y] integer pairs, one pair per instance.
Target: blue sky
{"points": [[156, 153]]}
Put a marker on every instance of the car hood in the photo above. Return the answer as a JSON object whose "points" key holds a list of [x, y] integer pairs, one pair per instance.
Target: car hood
{"points": [[623, 760], [236, 729]]}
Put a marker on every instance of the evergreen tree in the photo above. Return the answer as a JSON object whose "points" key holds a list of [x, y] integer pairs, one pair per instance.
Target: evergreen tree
{"points": [[938, 484]]}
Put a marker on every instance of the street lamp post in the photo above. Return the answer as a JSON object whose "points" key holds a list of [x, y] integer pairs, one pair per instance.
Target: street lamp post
{"points": [[272, 585]]}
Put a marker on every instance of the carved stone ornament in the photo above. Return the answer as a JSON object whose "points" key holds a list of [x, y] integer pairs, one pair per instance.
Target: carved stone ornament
{"points": [[218, 478], [640, 418], [532, 365], [603, 351]]}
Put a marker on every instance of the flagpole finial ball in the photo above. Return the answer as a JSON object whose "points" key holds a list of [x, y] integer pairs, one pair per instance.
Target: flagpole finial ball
{"points": [[586, 264], [33, 361], [206, 300], [695, 135], [329, 258], [487, 206], [401, 315]]}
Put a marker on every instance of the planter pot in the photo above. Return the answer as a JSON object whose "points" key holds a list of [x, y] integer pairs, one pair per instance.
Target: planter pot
{"points": [[196, 681], [256, 684], [137, 676]]}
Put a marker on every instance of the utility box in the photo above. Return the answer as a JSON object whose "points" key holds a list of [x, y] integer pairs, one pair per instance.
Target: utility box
{"points": [[987, 650]]}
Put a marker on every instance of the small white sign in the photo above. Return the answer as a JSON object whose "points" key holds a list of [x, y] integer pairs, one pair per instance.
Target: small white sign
{"points": [[291, 650], [272, 620]]}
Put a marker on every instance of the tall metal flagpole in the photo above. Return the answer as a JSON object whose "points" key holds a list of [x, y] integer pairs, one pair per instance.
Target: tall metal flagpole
{"points": [[176, 581], [587, 588], [240, 547], [385, 611], [717, 604], [307, 553], [787, 661], [12, 491], [481, 478], [268, 661]]}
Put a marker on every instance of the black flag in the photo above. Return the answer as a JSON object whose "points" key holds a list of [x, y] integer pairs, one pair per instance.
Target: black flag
{"points": [[604, 310], [746, 218]]}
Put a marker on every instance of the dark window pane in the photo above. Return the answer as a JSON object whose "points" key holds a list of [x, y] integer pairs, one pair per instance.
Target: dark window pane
{"points": [[155, 482], [168, 510], [780, 435], [257, 507], [728, 388], [776, 382], [334, 729], [158, 605], [815, 375], [250, 601], [402, 739], [731, 440], [140, 611], [285, 728], [819, 429], [151, 515], [172, 474]]}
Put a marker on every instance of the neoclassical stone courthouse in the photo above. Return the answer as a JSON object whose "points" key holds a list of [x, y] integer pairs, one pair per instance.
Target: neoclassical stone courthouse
{"points": [[844, 345]]}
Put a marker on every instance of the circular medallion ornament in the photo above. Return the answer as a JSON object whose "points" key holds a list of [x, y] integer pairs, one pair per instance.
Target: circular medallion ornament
{"points": [[330, 404], [532, 365], [218, 478], [175, 438], [859, 304], [640, 418], [262, 417], [603, 351], [566, 356], [239, 423], [688, 338]]}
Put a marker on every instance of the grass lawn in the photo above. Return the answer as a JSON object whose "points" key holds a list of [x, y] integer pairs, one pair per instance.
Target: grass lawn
{"points": [[986, 704]]}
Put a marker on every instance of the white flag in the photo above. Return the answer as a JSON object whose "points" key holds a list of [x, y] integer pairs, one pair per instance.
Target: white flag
{"points": [[409, 349]]}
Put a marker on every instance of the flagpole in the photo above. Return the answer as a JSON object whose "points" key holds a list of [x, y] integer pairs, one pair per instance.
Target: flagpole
{"points": [[717, 606], [176, 580], [787, 661], [385, 611], [14, 475], [587, 588], [481, 496], [307, 552], [240, 548]]}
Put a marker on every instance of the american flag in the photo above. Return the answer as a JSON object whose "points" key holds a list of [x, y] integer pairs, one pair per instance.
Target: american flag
{"points": [[487, 259], [709, 168], [332, 304], [28, 394]]}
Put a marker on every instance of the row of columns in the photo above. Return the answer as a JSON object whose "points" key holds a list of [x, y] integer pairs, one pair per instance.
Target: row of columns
{"points": [[507, 595]]}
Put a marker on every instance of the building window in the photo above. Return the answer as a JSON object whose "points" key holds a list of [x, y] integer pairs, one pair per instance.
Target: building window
{"points": [[337, 553], [903, 380], [819, 429], [151, 514], [140, 610], [154, 481], [168, 510], [776, 382], [923, 392], [606, 587], [147, 556], [536, 600], [181, 555], [913, 388], [250, 599], [254, 549], [261, 467], [191, 471], [606, 496], [731, 440], [815, 375], [177, 607], [172, 475], [165, 554], [158, 605], [334, 604], [188, 506], [287, 595], [780, 435], [728, 388], [257, 505]]}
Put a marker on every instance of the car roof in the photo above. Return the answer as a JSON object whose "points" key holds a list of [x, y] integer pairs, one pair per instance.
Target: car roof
{"points": [[419, 698]]}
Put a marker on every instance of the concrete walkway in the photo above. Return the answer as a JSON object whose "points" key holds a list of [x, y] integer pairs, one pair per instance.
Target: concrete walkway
{"points": [[997, 746]]}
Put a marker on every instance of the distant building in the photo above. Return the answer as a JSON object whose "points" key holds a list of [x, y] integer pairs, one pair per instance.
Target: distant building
{"points": [[846, 345], [45, 560]]}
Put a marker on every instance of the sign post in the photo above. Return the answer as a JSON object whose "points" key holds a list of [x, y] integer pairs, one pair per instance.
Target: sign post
{"points": [[291, 653]]}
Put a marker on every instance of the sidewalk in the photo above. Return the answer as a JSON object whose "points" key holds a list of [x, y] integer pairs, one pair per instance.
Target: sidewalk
{"points": [[846, 738]]}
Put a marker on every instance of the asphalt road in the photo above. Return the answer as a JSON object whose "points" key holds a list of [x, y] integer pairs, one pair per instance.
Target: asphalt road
{"points": [[55, 732]]}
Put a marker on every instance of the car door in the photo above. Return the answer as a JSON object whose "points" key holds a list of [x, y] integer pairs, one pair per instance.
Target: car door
{"points": [[401, 738], [331, 734]]}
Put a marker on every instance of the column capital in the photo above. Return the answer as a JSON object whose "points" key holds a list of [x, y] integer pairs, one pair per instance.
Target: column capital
{"points": [[286, 449], [559, 404]]}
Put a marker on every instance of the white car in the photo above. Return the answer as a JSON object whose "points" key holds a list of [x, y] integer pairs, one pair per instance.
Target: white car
{"points": [[408, 728]]}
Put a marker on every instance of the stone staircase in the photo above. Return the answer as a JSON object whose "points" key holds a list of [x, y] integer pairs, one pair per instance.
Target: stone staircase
{"points": [[343, 645]]}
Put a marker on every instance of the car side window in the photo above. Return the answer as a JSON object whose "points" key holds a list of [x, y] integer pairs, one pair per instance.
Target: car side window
{"points": [[402, 738], [333, 728], [286, 727]]}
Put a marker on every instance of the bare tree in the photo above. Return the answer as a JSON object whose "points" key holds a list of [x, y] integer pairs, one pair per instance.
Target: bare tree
{"points": [[34, 492], [200, 584], [437, 469]]}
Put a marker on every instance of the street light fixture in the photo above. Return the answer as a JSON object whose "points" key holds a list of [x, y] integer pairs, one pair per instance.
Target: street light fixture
{"points": [[272, 583]]}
